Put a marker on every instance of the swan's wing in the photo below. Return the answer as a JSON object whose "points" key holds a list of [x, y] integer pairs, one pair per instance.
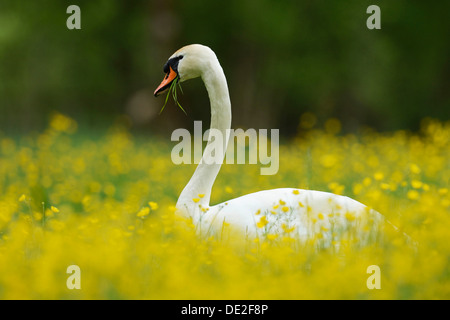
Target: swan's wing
{"points": [[293, 212]]}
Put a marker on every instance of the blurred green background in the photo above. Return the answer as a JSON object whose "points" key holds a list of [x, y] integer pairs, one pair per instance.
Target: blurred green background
{"points": [[281, 59]]}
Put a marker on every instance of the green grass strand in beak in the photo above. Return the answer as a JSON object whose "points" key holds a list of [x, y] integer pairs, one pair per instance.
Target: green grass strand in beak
{"points": [[173, 90], [175, 98]]}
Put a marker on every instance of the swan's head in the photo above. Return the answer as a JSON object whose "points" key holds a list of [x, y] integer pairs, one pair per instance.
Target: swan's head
{"points": [[186, 63]]}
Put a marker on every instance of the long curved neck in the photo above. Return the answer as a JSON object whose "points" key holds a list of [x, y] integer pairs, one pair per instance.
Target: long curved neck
{"points": [[206, 172]]}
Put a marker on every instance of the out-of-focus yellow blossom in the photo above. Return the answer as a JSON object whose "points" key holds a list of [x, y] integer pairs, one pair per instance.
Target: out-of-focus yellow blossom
{"points": [[357, 188], [272, 236], [287, 229], [416, 184], [414, 168], [153, 205], [60, 122], [127, 250], [367, 181], [262, 222], [143, 212], [54, 209], [413, 194], [333, 126], [378, 176], [350, 216], [336, 188]]}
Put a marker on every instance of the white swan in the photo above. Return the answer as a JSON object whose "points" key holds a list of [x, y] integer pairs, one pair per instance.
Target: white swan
{"points": [[297, 212]]}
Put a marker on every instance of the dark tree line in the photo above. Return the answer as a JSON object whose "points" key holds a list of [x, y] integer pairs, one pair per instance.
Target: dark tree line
{"points": [[281, 58]]}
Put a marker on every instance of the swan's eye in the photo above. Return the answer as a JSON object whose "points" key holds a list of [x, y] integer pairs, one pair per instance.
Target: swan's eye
{"points": [[173, 62]]}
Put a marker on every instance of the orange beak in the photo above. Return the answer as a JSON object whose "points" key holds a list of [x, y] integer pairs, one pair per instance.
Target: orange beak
{"points": [[170, 76]]}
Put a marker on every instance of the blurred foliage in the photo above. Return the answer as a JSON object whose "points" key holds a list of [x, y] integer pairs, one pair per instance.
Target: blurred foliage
{"points": [[281, 58]]}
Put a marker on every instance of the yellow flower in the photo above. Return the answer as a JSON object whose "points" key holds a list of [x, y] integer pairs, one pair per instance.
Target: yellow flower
{"points": [[37, 216], [286, 228], [350, 216], [367, 181], [22, 198], [296, 192], [336, 187], [320, 216], [204, 209], [285, 209], [301, 204], [262, 222], [196, 200], [378, 176], [416, 184], [414, 168], [385, 186], [333, 126], [153, 205], [272, 236], [282, 202], [328, 160], [143, 212], [357, 188], [258, 212], [412, 194], [60, 122], [54, 209]]}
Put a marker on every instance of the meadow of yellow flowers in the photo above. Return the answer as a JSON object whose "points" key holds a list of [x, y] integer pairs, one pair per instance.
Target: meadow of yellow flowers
{"points": [[105, 203]]}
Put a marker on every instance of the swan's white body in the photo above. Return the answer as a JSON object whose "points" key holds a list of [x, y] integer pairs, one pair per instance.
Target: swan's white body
{"points": [[298, 212]]}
